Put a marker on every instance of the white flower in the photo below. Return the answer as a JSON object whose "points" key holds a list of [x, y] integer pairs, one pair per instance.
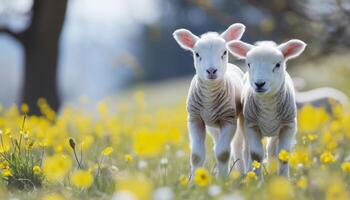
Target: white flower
{"points": [[123, 195], [142, 164], [214, 190], [234, 196], [163, 193], [164, 161]]}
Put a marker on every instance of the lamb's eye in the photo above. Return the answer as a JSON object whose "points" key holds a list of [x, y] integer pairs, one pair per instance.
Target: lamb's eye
{"points": [[224, 54], [249, 65], [197, 55], [278, 65]]}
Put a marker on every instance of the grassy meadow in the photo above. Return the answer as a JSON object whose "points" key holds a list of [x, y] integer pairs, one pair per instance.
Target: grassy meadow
{"points": [[136, 148]]}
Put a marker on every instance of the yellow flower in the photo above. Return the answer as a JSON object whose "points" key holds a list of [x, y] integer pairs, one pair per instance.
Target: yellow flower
{"points": [[56, 167], [36, 169], [6, 173], [300, 156], [138, 185], [234, 175], [280, 188], [183, 180], [310, 119], [4, 165], [283, 155], [7, 131], [346, 167], [337, 191], [53, 197], [128, 158], [302, 183], [25, 108], [327, 158], [82, 179], [201, 177], [107, 151], [251, 176], [256, 164], [312, 137]]}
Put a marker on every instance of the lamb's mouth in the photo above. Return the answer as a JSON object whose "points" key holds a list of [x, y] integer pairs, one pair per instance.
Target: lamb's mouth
{"points": [[260, 90], [212, 77]]}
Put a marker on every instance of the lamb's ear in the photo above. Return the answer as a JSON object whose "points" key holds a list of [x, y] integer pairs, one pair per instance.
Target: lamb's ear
{"points": [[234, 32], [292, 48], [185, 38], [239, 48]]}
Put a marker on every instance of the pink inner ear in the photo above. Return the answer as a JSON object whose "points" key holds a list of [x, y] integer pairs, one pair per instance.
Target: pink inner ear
{"points": [[291, 49], [239, 49], [187, 39], [232, 35]]}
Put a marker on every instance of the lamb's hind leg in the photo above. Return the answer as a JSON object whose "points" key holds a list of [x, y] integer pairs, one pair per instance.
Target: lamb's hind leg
{"points": [[197, 142], [223, 148]]}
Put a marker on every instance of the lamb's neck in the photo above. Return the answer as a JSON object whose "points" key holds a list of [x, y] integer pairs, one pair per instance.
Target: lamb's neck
{"points": [[211, 89], [271, 100]]}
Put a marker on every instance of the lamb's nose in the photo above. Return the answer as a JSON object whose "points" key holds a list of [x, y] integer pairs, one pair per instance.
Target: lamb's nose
{"points": [[260, 84], [211, 71]]}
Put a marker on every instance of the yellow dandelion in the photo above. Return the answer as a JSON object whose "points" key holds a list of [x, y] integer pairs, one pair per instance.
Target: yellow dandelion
{"points": [[250, 176], [234, 175], [327, 158], [25, 108], [53, 197], [346, 167], [56, 167], [36, 169], [138, 185], [280, 188], [302, 183], [6, 173], [128, 158], [337, 191], [283, 155], [4, 165], [107, 151], [82, 179], [256, 164], [201, 177], [183, 180]]}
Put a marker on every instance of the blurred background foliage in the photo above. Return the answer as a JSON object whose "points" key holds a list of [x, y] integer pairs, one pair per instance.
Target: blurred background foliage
{"points": [[62, 50]]}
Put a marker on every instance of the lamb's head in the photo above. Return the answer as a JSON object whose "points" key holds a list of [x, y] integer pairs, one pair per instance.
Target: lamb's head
{"points": [[266, 62], [209, 50]]}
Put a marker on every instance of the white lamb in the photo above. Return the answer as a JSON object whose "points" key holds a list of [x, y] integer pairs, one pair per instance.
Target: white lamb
{"points": [[214, 96], [268, 98]]}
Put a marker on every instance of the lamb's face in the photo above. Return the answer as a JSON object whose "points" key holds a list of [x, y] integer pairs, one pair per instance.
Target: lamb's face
{"points": [[209, 51], [266, 62], [210, 57], [266, 68]]}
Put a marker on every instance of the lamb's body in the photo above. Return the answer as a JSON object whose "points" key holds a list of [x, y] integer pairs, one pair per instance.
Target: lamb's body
{"points": [[268, 99], [213, 100], [217, 104], [218, 101], [270, 114]]}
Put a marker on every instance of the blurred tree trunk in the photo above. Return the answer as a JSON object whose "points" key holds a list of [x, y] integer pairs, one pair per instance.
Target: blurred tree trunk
{"points": [[41, 44]]}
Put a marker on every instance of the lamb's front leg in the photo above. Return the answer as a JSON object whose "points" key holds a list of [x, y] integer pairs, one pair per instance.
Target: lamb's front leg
{"points": [[286, 138], [256, 150], [196, 129], [223, 147]]}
